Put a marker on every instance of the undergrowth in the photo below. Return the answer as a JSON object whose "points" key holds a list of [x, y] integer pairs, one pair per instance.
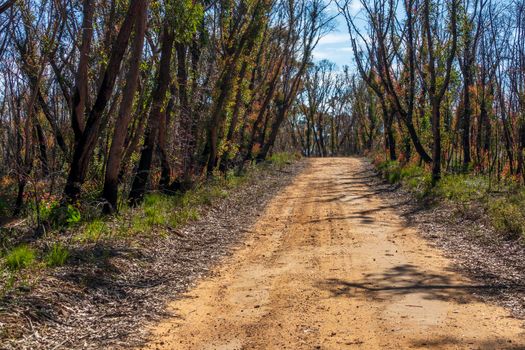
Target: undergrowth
{"points": [[508, 213], [281, 159], [20, 257], [159, 214], [57, 255], [504, 205], [162, 211], [415, 178]]}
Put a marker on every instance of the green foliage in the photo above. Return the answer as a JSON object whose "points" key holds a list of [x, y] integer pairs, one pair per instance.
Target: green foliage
{"points": [[60, 215], [57, 256], [390, 170], [463, 188], [417, 180], [160, 210], [282, 158], [186, 16], [72, 215], [171, 211], [233, 180], [414, 177], [20, 257], [507, 214], [93, 231]]}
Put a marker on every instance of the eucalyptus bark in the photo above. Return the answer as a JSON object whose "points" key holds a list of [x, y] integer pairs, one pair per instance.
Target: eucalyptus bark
{"points": [[86, 143], [116, 151], [140, 181]]}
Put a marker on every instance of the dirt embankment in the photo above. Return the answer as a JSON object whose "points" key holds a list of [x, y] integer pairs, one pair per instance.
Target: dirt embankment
{"points": [[331, 265]]}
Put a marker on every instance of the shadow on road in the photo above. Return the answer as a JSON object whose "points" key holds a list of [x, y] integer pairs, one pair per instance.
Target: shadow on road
{"points": [[488, 344], [407, 279]]}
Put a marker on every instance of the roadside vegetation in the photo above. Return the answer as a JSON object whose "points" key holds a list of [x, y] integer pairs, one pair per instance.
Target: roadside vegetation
{"points": [[24, 256], [502, 202]]}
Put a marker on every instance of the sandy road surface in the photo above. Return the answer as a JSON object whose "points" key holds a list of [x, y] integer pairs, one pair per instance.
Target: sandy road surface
{"points": [[330, 265]]}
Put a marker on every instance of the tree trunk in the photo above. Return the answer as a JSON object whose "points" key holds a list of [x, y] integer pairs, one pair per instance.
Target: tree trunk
{"points": [[80, 92], [436, 147], [110, 192], [42, 148], [138, 187], [86, 143], [467, 111], [235, 114]]}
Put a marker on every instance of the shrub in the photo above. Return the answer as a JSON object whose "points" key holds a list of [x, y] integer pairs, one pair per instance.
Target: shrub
{"points": [[57, 256], [386, 166], [412, 171], [64, 215], [508, 214], [420, 185], [45, 210], [233, 180], [463, 188], [390, 170], [20, 257]]}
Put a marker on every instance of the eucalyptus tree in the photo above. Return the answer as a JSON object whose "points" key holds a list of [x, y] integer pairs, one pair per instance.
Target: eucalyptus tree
{"points": [[314, 102], [385, 54], [308, 21]]}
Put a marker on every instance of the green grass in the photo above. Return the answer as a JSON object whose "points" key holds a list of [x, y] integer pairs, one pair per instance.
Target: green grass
{"points": [[93, 231], [20, 257], [57, 255], [505, 209], [158, 216], [172, 211], [463, 188], [160, 211], [415, 178], [282, 158]]}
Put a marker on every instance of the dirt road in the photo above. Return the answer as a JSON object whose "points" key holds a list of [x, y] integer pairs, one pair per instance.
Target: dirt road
{"points": [[330, 265]]}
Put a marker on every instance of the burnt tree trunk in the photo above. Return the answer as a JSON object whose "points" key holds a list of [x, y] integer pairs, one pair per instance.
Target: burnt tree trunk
{"points": [[116, 151], [86, 143], [140, 181]]}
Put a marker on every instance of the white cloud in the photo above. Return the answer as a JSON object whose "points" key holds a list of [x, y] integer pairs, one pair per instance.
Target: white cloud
{"points": [[334, 38], [337, 53], [322, 55], [355, 6]]}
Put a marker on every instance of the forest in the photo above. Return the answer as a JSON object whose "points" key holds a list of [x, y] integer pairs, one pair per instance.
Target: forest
{"points": [[112, 100], [157, 93], [127, 120], [436, 81]]}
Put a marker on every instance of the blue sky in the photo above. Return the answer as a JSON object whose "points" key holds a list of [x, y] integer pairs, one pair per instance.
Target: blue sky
{"points": [[335, 46]]}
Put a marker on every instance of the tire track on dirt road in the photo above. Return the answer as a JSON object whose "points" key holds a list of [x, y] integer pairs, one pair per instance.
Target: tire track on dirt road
{"points": [[331, 265]]}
